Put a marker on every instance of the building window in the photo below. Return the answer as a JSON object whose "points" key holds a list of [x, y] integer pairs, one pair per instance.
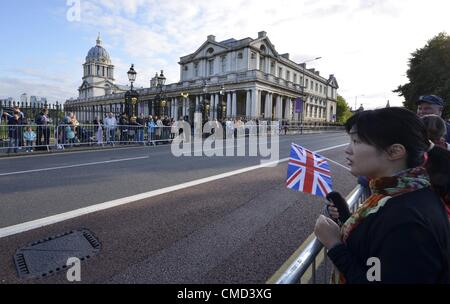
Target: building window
{"points": [[312, 85], [210, 51], [185, 67], [280, 72], [317, 87], [211, 67], [295, 78], [307, 83], [262, 64], [196, 69], [240, 56], [253, 55], [288, 76], [224, 64], [272, 68]]}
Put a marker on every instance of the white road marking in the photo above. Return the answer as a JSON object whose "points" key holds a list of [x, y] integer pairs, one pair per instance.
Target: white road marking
{"points": [[74, 166], [71, 152], [19, 228]]}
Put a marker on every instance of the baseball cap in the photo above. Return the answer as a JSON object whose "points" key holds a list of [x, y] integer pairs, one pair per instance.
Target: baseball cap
{"points": [[431, 99]]}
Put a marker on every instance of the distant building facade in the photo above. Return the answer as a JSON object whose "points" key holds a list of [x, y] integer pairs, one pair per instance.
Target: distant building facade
{"points": [[233, 78], [98, 74]]}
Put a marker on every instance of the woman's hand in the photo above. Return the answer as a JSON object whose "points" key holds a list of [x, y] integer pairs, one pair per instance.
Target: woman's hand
{"points": [[332, 211], [327, 232]]}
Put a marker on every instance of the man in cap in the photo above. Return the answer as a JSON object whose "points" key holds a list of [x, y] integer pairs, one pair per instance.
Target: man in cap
{"points": [[432, 104]]}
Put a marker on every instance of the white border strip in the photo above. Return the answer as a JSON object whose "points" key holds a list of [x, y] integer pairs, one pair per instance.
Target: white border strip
{"points": [[19, 228]]}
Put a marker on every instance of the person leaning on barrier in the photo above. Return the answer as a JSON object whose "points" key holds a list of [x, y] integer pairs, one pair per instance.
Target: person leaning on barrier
{"points": [[22, 122], [432, 104], [13, 131], [110, 125], [403, 225]]}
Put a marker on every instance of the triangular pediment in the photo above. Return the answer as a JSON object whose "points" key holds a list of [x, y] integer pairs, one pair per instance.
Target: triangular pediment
{"points": [[84, 85], [207, 46], [266, 44], [333, 82]]}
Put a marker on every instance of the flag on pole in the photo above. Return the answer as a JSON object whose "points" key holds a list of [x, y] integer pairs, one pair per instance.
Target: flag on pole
{"points": [[308, 172]]}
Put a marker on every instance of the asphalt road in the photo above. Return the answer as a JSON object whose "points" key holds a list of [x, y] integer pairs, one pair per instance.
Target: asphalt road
{"points": [[238, 229]]}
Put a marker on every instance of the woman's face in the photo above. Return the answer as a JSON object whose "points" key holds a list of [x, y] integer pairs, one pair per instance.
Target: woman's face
{"points": [[364, 159]]}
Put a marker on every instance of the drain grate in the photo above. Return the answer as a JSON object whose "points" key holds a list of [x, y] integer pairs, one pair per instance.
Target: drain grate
{"points": [[49, 256]]}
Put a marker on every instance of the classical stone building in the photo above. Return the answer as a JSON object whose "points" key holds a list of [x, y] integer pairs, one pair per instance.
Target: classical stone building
{"points": [[233, 78]]}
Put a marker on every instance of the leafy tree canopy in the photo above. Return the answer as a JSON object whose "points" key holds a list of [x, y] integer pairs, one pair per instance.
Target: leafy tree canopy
{"points": [[342, 111], [429, 73]]}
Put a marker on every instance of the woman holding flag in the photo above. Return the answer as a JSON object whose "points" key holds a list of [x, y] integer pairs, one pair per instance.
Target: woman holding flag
{"points": [[402, 227]]}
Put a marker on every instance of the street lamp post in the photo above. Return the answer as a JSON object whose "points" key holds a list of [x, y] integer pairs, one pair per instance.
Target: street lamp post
{"points": [[221, 110], [131, 96], [205, 107], [159, 99], [185, 97], [303, 65]]}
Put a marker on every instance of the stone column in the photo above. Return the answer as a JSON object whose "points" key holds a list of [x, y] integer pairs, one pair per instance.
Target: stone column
{"points": [[183, 107], [234, 104], [211, 106], [258, 103], [175, 109], [254, 103], [216, 105], [197, 103], [248, 109], [187, 106], [279, 114], [229, 109], [288, 108]]}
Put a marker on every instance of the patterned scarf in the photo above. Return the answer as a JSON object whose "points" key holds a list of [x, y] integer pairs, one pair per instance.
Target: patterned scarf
{"points": [[383, 189]]}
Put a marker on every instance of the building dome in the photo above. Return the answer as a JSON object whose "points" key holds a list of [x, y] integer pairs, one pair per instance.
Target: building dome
{"points": [[98, 53]]}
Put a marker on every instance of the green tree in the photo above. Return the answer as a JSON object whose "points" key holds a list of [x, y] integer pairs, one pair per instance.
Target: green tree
{"points": [[428, 73], [342, 111]]}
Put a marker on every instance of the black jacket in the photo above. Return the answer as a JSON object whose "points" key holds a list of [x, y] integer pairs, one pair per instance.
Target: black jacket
{"points": [[410, 237]]}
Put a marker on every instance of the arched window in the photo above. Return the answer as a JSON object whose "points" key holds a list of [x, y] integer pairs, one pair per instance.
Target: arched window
{"points": [[263, 49]]}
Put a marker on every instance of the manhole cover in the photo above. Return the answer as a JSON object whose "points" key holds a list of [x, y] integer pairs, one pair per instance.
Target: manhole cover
{"points": [[50, 255]]}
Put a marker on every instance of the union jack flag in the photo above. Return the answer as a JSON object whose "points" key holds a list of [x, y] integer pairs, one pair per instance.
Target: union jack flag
{"points": [[308, 172]]}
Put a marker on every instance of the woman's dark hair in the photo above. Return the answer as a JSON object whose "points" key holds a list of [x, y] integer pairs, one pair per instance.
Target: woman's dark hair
{"points": [[384, 127]]}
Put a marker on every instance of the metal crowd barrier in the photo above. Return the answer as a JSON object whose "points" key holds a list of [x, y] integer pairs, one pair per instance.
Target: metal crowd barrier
{"points": [[100, 135], [67, 136], [15, 138], [302, 267]]}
